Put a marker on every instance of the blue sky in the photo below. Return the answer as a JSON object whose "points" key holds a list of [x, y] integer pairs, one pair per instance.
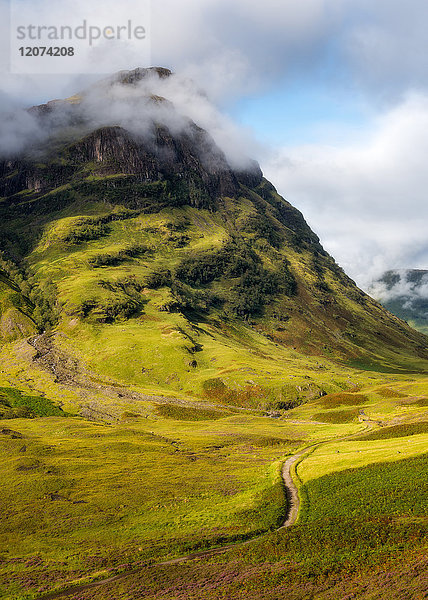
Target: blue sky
{"points": [[304, 113]]}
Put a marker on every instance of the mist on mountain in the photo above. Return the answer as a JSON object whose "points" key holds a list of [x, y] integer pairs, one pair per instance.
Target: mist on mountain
{"points": [[405, 293], [138, 101]]}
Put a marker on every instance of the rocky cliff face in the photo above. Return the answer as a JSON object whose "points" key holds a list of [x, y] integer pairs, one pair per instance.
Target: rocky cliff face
{"points": [[71, 150]]}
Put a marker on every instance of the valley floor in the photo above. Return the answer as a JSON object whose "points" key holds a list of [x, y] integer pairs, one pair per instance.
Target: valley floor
{"points": [[136, 499]]}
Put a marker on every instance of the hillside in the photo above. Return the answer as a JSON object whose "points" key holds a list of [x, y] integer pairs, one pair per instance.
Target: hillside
{"points": [[405, 293], [16, 311], [152, 261], [176, 346]]}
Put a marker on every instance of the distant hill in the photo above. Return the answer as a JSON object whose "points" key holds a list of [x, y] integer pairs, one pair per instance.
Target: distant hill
{"points": [[404, 292]]}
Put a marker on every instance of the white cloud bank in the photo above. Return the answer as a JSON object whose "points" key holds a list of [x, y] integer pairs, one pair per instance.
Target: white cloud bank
{"points": [[367, 201], [232, 47], [411, 287]]}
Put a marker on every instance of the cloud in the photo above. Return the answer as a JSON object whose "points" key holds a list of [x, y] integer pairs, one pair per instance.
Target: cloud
{"points": [[409, 288], [238, 46], [236, 142], [366, 200], [174, 102], [233, 48], [386, 45]]}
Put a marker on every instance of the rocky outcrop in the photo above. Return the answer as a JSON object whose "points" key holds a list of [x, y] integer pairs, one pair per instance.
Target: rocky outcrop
{"points": [[191, 157], [21, 175]]}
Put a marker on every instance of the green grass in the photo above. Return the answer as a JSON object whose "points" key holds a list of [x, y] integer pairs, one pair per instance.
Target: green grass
{"points": [[365, 365], [397, 431], [363, 537], [85, 500], [16, 310], [381, 489], [80, 498], [15, 404], [342, 399], [338, 456], [182, 413], [337, 416], [421, 402]]}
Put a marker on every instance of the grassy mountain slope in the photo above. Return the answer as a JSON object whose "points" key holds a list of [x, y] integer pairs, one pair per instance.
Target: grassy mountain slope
{"points": [[15, 311], [161, 267]]}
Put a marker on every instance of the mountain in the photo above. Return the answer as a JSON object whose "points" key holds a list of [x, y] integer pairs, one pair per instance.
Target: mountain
{"points": [[404, 292], [179, 354], [145, 254]]}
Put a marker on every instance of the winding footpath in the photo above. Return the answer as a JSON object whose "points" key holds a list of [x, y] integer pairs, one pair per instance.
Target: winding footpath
{"points": [[291, 491]]}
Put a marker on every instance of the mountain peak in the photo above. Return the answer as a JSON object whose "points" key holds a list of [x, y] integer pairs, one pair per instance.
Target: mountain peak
{"points": [[121, 126], [135, 75], [125, 77]]}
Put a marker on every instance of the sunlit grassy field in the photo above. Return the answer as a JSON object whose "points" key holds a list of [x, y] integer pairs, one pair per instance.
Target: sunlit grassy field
{"points": [[80, 498], [333, 457], [362, 532], [398, 488]]}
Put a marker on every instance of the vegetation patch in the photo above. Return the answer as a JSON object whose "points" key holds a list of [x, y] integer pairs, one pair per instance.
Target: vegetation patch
{"points": [[272, 502], [114, 308], [184, 413], [251, 284], [111, 259], [249, 396], [404, 430], [382, 489], [389, 393], [420, 402], [375, 367], [284, 404], [22, 291], [342, 399], [267, 441], [85, 229], [337, 416], [148, 197], [17, 405], [262, 226]]}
